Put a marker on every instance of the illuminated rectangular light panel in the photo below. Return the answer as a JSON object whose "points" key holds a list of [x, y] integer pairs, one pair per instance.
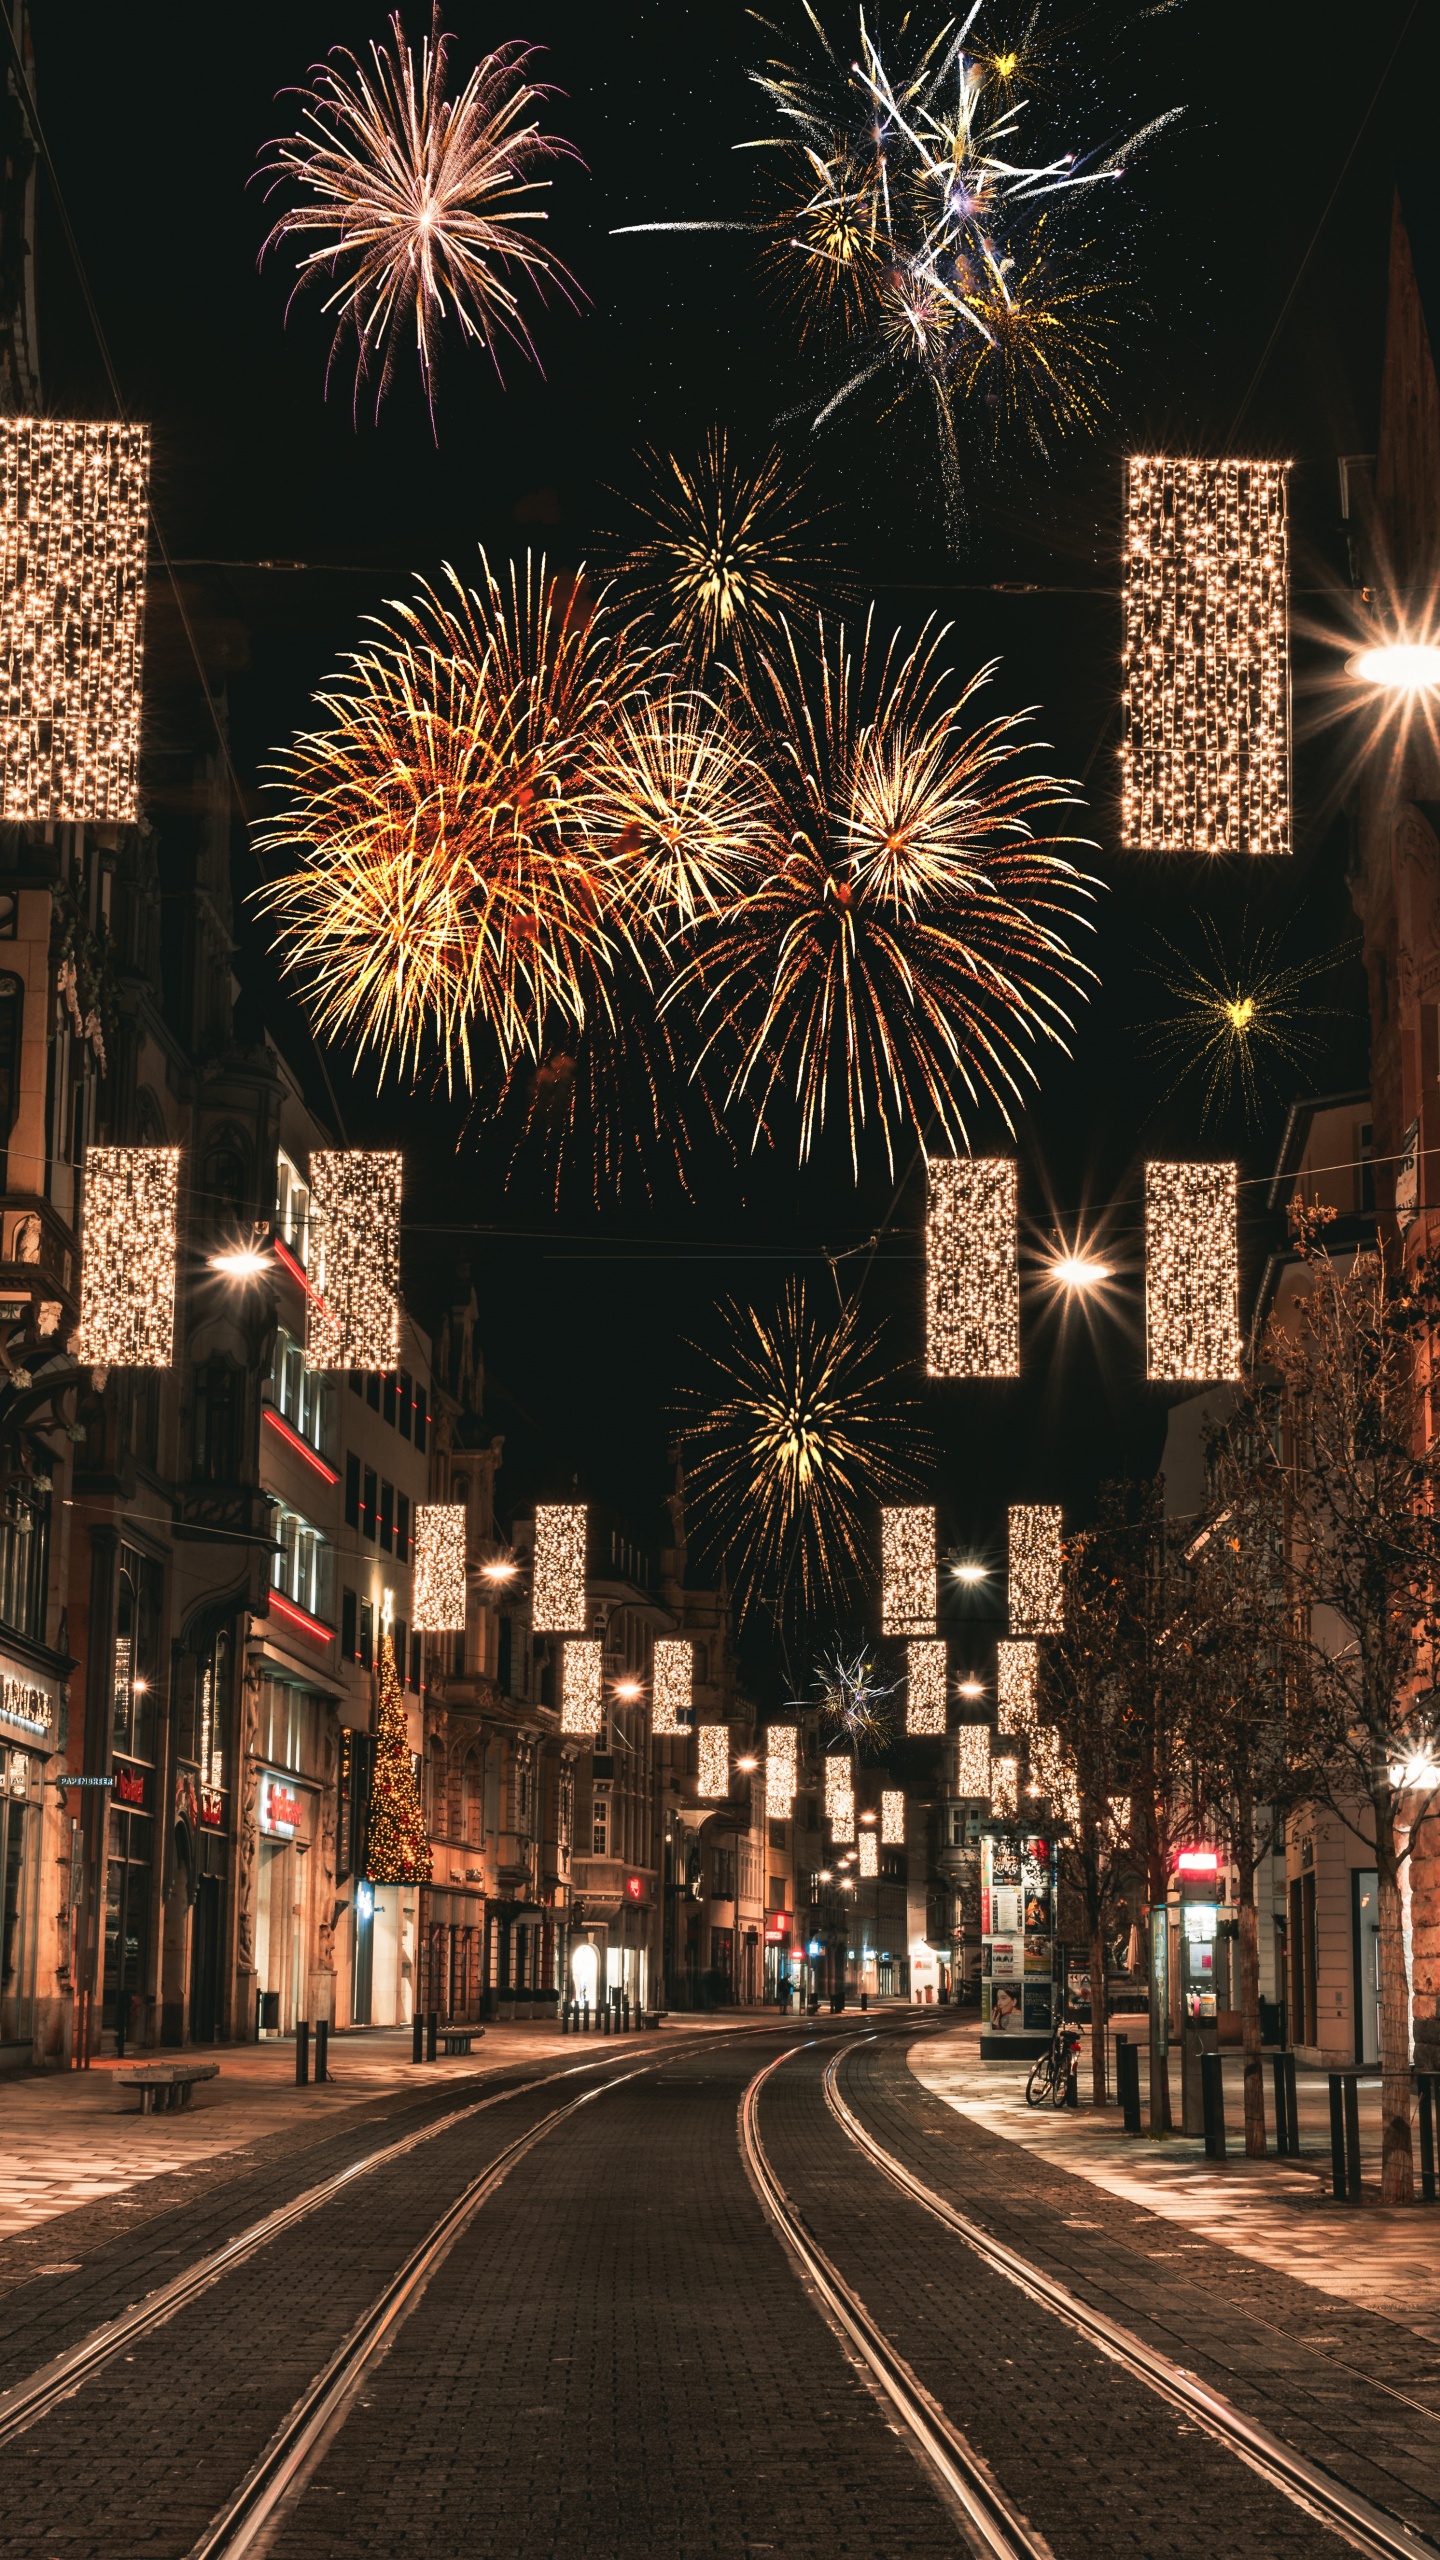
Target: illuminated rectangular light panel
{"points": [[840, 1799], [672, 1684], [892, 1817], [557, 1598], [439, 1567], [1192, 1272], [1205, 747], [869, 1848], [582, 1702], [74, 516], [972, 1268], [352, 1306], [1017, 1669], [1052, 1775], [781, 1760], [713, 1760], [972, 1761], [908, 1570], [127, 1257], [1005, 1788], [927, 1684], [1036, 1574]]}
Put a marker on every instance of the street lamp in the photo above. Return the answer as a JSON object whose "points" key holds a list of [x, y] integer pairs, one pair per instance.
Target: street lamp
{"points": [[969, 1688], [1398, 666], [971, 1572], [1078, 1271]]}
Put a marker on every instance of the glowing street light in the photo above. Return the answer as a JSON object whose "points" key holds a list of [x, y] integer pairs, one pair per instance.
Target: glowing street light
{"points": [[970, 1689], [627, 1691], [1398, 666], [1077, 1271], [971, 1572], [246, 1262]]}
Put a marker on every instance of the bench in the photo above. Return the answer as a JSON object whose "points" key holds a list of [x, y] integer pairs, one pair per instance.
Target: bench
{"points": [[459, 2039], [166, 2084]]}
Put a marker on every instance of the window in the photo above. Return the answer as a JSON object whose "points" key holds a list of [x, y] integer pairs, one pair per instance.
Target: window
{"points": [[214, 1704], [24, 1556], [777, 1835], [301, 1569], [601, 1840], [402, 1528], [356, 1387], [401, 1653], [369, 1508], [137, 1622], [407, 1391], [414, 1662], [367, 1634], [352, 1493], [722, 1873], [387, 1518], [372, 1390], [347, 1625], [292, 1207], [387, 1396], [299, 1392], [12, 1014], [219, 1390], [503, 1655], [422, 1416]]}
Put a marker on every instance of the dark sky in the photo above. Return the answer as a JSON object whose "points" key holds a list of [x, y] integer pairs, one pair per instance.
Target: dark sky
{"points": [[155, 118]]}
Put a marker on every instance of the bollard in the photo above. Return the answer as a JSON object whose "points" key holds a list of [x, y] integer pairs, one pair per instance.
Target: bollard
{"points": [[626, 2005], [1352, 2134], [1286, 2145], [432, 2034], [417, 2036], [605, 2019], [1212, 2100], [302, 2053], [1127, 2075], [585, 2015], [1338, 2184], [1072, 2086], [322, 2048], [1425, 2082]]}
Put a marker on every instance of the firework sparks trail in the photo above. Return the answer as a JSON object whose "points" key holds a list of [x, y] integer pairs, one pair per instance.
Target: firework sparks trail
{"points": [[799, 1428], [1241, 1015], [853, 1697], [729, 550], [419, 201], [906, 945]]}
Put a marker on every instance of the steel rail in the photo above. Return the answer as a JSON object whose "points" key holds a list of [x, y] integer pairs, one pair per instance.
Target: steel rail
{"points": [[28, 2401], [1367, 2527], [991, 2523]]}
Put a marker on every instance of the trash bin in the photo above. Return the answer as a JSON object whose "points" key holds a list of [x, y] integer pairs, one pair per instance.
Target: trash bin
{"points": [[267, 2014]]}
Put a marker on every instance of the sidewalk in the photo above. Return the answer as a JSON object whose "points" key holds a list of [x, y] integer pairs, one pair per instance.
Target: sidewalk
{"points": [[1276, 2212], [71, 2138]]}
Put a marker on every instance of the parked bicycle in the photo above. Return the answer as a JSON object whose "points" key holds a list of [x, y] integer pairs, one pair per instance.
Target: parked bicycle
{"points": [[1050, 2077]]}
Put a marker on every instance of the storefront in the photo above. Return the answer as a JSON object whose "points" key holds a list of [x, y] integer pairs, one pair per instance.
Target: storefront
{"points": [[286, 1818], [452, 1952], [29, 1723]]}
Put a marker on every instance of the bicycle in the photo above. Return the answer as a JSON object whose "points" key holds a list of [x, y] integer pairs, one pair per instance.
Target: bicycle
{"points": [[1050, 2077]]}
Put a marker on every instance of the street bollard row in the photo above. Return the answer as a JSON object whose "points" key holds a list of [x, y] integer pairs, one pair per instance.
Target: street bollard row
{"points": [[609, 2017], [302, 2051]]}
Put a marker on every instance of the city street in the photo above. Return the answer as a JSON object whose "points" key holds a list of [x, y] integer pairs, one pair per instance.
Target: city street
{"points": [[619, 2349]]}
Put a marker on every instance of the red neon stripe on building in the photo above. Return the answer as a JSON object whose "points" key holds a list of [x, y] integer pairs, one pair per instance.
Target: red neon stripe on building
{"points": [[309, 1626], [292, 1439]]}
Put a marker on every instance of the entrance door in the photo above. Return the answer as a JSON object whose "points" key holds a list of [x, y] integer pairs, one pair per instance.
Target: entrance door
{"points": [[205, 1963], [127, 1925], [1366, 1889], [364, 1973]]}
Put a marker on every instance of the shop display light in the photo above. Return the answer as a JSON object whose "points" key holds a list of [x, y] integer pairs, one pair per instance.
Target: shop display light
{"points": [[439, 1567], [927, 1682], [557, 1598], [909, 1570], [672, 1684], [127, 1257], [74, 521], [972, 1268], [1037, 1585], [1192, 1272], [352, 1301], [1205, 748], [582, 1692]]}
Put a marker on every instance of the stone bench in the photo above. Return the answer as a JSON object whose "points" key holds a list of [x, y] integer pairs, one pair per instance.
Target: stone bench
{"points": [[166, 2084], [459, 2039]]}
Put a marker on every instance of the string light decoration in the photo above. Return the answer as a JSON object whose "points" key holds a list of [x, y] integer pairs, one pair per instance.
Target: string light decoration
{"points": [[1037, 1597], [713, 1761], [398, 1844], [1017, 1669], [892, 1817], [127, 1262], [909, 1572], [1192, 1271], [869, 1848], [74, 524], [972, 1762], [557, 1596], [352, 1306], [840, 1799], [927, 1684], [672, 1685], [1205, 750], [972, 1268], [782, 1743], [1051, 1774], [1005, 1788], [582, 1693], [439, 1567]]}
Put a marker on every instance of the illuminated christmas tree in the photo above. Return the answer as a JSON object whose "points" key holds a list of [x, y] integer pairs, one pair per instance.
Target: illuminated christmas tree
{"points": [[399, 1852]]}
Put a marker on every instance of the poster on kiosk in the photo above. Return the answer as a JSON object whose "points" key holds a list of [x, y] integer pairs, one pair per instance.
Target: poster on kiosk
{"points": [[1017, 1932], [1202, 1893]]}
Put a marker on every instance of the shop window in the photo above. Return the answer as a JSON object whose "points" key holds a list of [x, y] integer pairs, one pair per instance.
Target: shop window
{"points": [[219, 1389]]}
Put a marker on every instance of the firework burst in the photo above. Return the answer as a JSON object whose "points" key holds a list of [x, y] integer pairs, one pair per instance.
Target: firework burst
{"points": [[798, 1429], [729, 550], [905, 946], [419, 201], [854, 1699], [1241, 1016]]}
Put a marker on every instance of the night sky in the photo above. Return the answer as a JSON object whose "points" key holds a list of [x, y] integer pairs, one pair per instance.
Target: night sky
{"points": [[155, 118]]}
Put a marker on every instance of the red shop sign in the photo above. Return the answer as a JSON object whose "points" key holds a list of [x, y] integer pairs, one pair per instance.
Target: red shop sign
{"points": [[130, 1785]]}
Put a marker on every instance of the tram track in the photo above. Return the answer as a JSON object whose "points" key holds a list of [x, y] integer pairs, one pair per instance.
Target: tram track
{"points": [[1305, 2484]]}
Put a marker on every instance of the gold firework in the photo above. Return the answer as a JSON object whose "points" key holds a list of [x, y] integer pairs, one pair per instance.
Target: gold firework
{"points": [[905, 947], [679, 808], [799, 1429], [1240, 1018], [730, 550], [449, 877], [420, 203]]}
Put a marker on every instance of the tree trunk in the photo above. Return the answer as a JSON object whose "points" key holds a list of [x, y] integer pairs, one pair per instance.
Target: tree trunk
{"points": [[1099, 2055], [1397, 2184], [1254, 2079]]}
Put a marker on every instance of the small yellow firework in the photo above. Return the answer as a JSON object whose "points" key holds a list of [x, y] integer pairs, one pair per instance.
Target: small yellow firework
{"points": [[730, 549], [1239, 1018]]}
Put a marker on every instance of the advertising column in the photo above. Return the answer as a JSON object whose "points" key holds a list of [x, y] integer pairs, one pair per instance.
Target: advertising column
{"points": [[1017, 1953]]}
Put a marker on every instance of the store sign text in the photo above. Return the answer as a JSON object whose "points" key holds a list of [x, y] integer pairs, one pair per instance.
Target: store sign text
{"points": [[130, 1785], [280, 1808], [22, 1702]]}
